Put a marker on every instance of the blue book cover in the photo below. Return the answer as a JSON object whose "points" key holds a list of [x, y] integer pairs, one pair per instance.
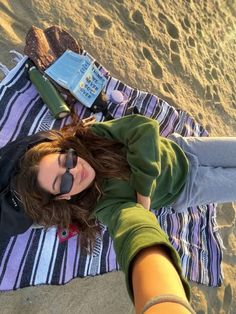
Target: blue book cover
{"points": [[79, 75]]}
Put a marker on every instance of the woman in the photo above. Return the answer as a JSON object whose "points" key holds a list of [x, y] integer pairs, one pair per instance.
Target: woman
{"points": [[114, 172]]}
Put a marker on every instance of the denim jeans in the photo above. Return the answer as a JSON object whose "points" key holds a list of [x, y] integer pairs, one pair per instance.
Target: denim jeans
{"points": [[212, 171]]}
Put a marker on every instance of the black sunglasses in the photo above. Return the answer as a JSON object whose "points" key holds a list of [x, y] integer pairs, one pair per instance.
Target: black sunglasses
{"points": [[67, 178]]}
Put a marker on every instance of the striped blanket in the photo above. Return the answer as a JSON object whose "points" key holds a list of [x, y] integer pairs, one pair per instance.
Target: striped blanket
{"points": [[38, 257]]}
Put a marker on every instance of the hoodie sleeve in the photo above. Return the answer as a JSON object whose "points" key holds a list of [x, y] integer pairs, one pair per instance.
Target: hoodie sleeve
{"points": [[132, 229], [140, 136]]}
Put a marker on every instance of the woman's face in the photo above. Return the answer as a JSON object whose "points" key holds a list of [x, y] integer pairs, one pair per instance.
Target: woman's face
{"points": [[52, 168]]}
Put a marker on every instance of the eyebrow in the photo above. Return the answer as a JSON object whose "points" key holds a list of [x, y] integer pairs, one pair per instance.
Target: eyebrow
{"points": [[54, 182]]}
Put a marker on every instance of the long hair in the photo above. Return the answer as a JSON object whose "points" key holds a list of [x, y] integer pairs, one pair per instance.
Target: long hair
{"points": [[105, 156]]}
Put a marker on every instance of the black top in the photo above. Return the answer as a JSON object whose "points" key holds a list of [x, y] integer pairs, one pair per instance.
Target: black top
{"points": [[13, 219]]}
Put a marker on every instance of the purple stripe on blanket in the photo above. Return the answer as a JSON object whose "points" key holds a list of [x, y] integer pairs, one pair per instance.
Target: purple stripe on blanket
{"points": [[11, 270], [71, 254], [36, 257], [19, 107], [23, 262], [112, 258]]}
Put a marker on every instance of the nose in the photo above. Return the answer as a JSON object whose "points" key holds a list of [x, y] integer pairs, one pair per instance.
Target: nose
{"points": [[73, 171], [77, 169]]}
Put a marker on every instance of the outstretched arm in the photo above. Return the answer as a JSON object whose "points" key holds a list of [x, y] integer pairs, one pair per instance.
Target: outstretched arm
{"points": [[153, 274], [135, 232]]}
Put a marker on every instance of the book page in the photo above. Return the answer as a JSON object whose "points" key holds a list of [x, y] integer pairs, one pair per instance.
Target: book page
{"points": [[65, 68]]}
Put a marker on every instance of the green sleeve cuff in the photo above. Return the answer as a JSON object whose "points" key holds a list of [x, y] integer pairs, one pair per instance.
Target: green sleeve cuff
{"points": [[141, 239]]}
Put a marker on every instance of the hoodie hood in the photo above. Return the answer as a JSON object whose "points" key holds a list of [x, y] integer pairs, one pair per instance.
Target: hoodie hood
{"points": [[13, 219]]}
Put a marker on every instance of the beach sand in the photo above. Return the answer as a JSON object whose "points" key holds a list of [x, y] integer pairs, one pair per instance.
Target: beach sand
{"points": [[182, 51]]}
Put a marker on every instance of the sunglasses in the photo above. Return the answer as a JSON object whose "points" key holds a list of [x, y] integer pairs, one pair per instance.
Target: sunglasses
{"points": [[67, 178]]}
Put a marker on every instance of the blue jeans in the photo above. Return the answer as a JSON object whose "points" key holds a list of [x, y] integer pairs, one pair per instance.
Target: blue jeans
{"points": [[212, 171]]}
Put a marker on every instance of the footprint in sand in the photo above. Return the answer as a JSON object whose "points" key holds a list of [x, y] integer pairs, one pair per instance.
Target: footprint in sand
{"points": [[168, 88], [191, 42], [174, 46], [199, 29], [162, 17], [155, 67], [208, 92], [208, 63], [176, 61], [200, 115], [175, 55], [211, 73], [170, 27], [137, 17], [226, 219], [214, 74], [186, 22], [228, 297], [102, 24], [138, 24], [208, 75], [216, 93], [216, 57], [233, 98]]}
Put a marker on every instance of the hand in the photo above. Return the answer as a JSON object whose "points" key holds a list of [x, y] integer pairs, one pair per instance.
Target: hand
{"points": [[145, 201], [88, 121]]}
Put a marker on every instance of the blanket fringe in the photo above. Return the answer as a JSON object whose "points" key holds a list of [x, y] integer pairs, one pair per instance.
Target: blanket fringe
{"points": [[4, 69], [18, 56]]}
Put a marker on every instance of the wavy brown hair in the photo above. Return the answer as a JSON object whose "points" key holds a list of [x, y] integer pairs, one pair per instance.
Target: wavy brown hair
{"points": [[104, 155]]}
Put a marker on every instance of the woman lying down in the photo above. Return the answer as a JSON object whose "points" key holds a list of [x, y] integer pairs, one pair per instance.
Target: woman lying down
{"points": [[113, 172]]}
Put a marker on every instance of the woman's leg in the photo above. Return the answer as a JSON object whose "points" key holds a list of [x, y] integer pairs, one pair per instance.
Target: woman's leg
{"points": [[211, 185], [210, 151], [212, 176]]}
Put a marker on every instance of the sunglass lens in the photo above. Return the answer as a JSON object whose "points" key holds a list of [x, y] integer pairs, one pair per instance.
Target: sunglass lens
{"points": [[66, 183], [71, 159], [74, 159]]}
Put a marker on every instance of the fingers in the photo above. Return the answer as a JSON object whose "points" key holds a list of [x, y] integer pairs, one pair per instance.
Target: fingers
{"points": [[88, 121]]}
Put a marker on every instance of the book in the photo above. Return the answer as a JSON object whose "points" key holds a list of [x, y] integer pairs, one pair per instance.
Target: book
{"points": [[79, 75]]}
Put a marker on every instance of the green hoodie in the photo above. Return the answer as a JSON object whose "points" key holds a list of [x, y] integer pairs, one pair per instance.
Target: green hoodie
{"points": [[158, 169]]}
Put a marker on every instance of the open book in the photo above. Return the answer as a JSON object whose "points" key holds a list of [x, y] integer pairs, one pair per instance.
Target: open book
{"points": [[79, 75]]}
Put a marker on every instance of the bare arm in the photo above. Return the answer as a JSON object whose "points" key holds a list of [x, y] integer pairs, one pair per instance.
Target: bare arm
{"points": [[153, 275]]}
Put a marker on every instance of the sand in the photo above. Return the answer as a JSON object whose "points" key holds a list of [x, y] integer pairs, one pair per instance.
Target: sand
{"points": [[182, 51]]}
